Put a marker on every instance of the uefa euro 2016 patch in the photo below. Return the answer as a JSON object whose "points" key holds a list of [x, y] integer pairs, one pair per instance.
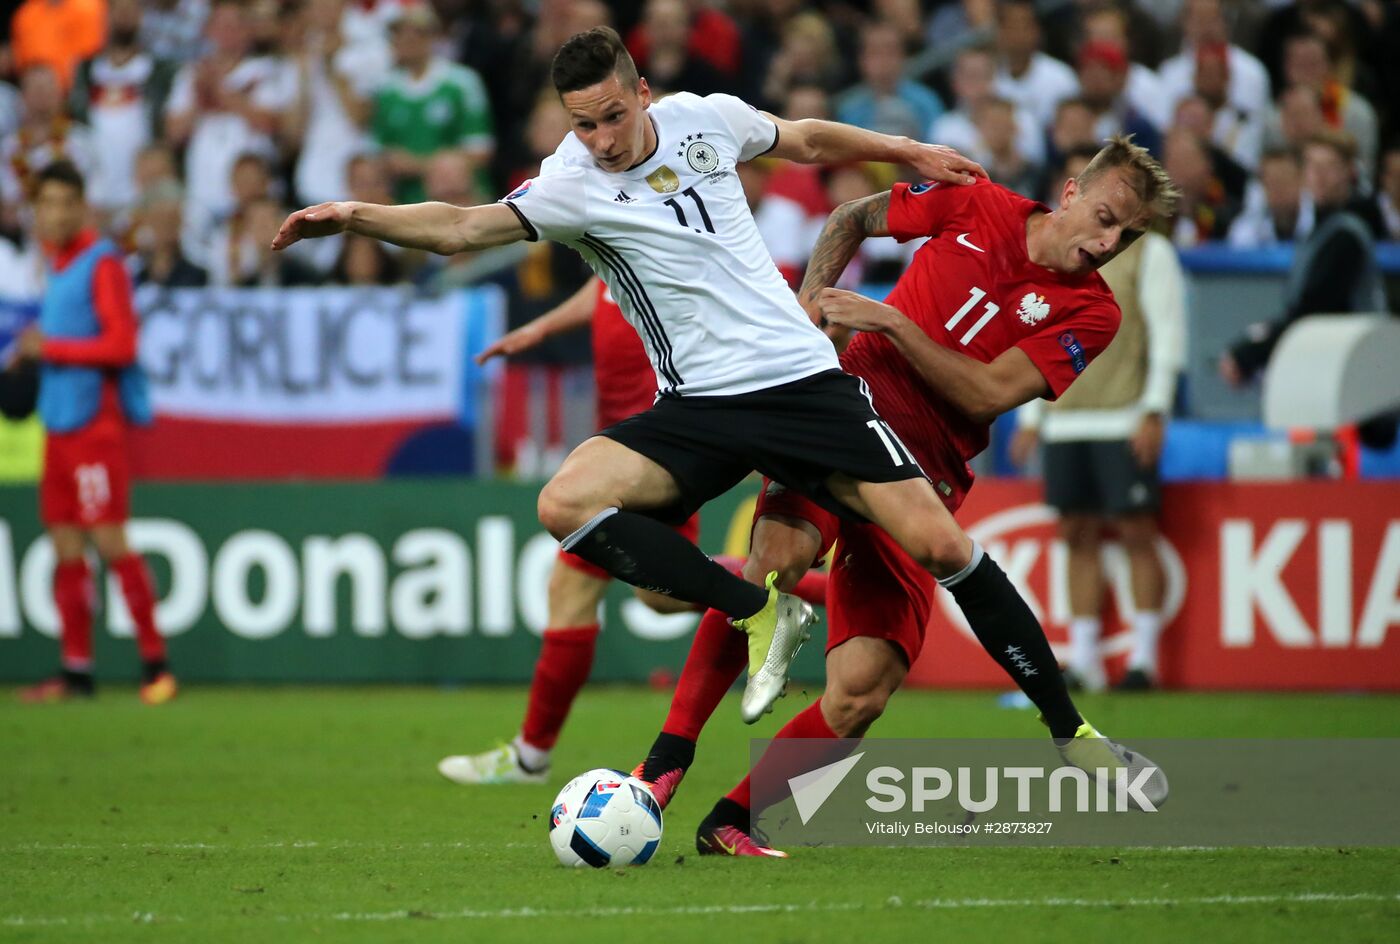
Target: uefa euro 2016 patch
{"points": [[1075, 350]]}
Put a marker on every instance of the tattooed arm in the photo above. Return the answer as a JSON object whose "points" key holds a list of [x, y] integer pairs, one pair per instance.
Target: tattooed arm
{"points": [[841, 237]]}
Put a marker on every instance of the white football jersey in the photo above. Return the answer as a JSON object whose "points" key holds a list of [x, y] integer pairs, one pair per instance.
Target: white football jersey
{"points": [[675, 242]]}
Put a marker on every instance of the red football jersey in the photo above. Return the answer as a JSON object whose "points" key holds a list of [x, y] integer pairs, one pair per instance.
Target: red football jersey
{"points": [[973, 289], [623, 381]]}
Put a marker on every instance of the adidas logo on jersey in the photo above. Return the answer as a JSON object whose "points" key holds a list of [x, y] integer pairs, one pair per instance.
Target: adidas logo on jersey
{"points": [[623, 198], [1033, 308]]}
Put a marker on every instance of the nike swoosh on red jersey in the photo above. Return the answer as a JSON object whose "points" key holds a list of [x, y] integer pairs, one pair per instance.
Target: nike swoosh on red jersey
{"points": [[964, 241]]}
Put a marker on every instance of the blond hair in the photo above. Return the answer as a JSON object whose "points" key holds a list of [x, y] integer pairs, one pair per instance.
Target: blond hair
{"points": [[1145, 175]]}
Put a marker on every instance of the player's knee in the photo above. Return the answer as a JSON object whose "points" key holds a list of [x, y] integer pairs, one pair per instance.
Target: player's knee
{"points": [[562, 510], [1137, 533], [850, 712], [944, 553], [784, 560], [1079, 532]]}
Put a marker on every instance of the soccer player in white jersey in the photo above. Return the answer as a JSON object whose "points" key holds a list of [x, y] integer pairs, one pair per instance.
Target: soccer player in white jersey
{"points": [[647, 193]]}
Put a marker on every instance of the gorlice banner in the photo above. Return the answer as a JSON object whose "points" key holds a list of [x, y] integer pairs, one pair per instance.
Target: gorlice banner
{"points": [[323, 382], [1269, 586]]}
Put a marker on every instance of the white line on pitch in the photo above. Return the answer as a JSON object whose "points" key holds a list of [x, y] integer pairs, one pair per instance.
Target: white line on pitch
{"points": [[814, 907]]}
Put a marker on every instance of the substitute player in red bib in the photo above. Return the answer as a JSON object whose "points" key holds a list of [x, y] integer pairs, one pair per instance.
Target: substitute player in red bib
{"points": [[90, 390], [1000, 306], [624, 385]]}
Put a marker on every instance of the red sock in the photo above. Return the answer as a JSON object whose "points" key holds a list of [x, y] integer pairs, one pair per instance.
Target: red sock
{"points": [[566, 658], [808, 723], [73, 597], [812, 587], [718, 654], [135, 579]]}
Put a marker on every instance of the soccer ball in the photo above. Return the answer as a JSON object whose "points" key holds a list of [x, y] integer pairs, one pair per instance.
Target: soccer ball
{"points": [[602, 818]]}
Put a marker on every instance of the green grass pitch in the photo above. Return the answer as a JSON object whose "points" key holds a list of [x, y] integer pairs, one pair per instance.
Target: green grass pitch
{"points": [[293, 814]]}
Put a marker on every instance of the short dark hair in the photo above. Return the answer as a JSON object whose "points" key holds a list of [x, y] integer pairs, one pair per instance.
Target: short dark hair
{"points": [[60, 171], [591, 57]]}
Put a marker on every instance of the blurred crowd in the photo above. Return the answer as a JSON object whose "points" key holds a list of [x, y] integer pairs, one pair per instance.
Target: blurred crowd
{"points": [[199, 123]]}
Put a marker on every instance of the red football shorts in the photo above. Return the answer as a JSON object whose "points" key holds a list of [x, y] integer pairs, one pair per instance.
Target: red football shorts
{"points": [[877, 590], [690, 530], [87, 480]]}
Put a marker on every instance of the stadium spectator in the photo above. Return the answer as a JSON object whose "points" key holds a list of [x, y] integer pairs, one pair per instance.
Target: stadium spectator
{"points": [[367, 179], [698, 34], [1194, 115], [670, 65], [1276, 208], [365, 261], [154, 163], [1308, 62], [1072, 130], [429, 105], [159, 258], [58, 34], [1203, 26], [173, 30], [1102, 443], [119, 95], [91, 391], [1234, 130], [1388, 193], [807, 54], [1334, 269], [973, 73], [227, 104], [1001, 148], [1112, 24], [215, 249], [251, 261], [960, 23], [1294, 118], [1205, 210], [1103, 78], [1026, 75], [885, 100], [46, 134], [332, 107]]}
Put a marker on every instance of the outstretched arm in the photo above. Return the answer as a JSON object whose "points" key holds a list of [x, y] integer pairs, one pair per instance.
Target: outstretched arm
{"points": [[813, 141], [575, 312], [436, 227]]}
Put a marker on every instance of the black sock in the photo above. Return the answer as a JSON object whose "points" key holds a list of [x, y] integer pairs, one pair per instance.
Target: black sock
{"points": [[668, 752], [79, 682], [728, 812], [152, 670], [1009, 631], [645, 553]]}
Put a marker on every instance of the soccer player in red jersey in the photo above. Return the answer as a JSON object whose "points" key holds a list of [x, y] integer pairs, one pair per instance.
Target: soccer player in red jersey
{"points": [[90, 390], [624, 385], [1003, 304]]}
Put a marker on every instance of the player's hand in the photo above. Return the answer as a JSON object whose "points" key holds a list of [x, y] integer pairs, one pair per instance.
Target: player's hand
{"points": [[1146, 443], [29, 346], [323, 219], [944, 165], [512, 343], [1023, 445], [850, 310]]}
